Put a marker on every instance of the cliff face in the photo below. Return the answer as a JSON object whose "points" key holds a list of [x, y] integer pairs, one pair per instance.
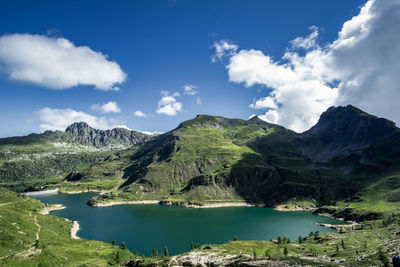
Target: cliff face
{"points": [[82, 133]]}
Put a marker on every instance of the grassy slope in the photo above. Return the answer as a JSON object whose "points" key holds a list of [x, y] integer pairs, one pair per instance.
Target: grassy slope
{"points": [[27, 163], [195, 162], [212, 159], [18, 245]]}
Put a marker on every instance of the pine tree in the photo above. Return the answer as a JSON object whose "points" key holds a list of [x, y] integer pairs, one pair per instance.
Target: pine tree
{"points": [[123, 245], [254, 254], [154, 252], [113, 242], [191, 246], [285, 251], [342, 244], [300, 239], [235, 238], [266, 254], [383, 258], [279, 239], [166, 252], [337, 248]]}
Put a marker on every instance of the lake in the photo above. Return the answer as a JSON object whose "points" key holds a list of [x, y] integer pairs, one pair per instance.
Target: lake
{"points": [[144, 227]]}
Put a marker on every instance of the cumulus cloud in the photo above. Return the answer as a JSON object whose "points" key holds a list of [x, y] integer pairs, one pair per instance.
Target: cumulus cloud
{"points": [[198, 101], [110, 107], [223, 48], [358, 68], [56, 63], [189, 89], [168, 104], [263, 103], [60, 119], [139, 113]]}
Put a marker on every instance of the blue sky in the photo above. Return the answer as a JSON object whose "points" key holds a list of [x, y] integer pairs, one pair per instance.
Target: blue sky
{"points": [[160, 46]]}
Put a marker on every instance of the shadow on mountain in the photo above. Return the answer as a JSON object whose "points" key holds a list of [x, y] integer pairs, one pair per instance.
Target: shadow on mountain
{"points": [[155, 150], [257, 182]]}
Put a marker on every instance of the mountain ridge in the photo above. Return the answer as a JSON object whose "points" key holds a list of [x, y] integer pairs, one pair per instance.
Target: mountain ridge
{"points": [[211, 158]]}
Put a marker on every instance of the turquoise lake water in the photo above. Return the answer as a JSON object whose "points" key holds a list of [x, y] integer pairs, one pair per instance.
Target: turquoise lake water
{"points": [[144, 227]]}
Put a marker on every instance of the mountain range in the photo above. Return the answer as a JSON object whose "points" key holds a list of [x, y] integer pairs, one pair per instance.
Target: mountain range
{"points": [[214, 159]]}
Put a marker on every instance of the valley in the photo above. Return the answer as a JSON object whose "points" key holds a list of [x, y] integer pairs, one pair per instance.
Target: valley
{"points": [[346, 167]]}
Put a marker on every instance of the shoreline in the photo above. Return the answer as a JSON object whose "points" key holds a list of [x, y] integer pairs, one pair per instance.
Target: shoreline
{"points": [[35, 193], [336, 227], [129, 202], [182, 204], [219, 205], [46, 210], [297, 208], [80, 191], [74, 230]]}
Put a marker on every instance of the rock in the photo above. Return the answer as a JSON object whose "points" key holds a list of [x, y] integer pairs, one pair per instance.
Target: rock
{"points": [[82, 133]]}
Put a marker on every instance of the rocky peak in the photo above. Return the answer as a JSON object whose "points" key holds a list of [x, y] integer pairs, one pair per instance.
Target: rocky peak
{"points": [[78, 128], [82, 133], [351, 124]]}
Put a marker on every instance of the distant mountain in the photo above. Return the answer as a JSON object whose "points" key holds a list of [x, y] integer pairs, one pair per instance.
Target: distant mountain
{"points": [[212, 158], [28, 162], [82, 133]]}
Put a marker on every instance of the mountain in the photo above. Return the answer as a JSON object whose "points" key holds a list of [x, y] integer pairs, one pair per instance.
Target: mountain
{"points": [[210, 159], [28, 162], [82, 133], [344, 130]]}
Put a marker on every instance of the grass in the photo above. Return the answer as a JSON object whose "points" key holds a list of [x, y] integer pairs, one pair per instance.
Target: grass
{"points": [[18, 246], [382, 196], [18, 235]]}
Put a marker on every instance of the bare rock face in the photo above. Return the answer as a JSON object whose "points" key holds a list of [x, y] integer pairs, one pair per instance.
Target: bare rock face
{"points": [[82, 133]]}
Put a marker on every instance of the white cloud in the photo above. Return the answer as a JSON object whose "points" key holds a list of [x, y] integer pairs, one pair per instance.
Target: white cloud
{"points": [[308, 42], [198, 101], [168, 104], [56, 63], [223, 48], [252, 116], [60, 119], [151, 133], [123, 126], [189, 89], [139, 113], [263, 103], [358, 68], [110, 107]]}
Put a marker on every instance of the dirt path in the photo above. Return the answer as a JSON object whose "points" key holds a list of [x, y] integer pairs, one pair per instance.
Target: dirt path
{"points": [[8, 203], [32, 250], [38, 226]]}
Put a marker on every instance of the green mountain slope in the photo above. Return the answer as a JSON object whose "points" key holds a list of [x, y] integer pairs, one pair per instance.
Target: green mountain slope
{"points": [[29, 162], [213, 159], [28, 238]]}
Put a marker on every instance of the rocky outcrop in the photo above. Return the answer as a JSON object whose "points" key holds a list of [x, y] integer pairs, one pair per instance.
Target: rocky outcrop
{"points": [[349, 214], [83, 134]]}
